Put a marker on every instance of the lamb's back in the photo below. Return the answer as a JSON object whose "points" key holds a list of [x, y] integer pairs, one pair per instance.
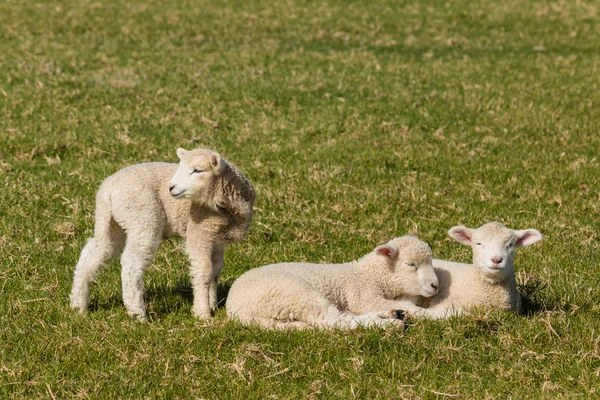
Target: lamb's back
{"points": [[142, 190], [328, 279]]}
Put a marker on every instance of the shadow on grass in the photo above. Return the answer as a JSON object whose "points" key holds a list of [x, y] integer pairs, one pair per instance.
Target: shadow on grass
{"points": [[165, 300], [161, 300], [532, 303]]}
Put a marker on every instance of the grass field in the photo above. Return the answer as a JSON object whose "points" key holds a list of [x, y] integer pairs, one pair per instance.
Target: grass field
{"points": [[356, 122]]}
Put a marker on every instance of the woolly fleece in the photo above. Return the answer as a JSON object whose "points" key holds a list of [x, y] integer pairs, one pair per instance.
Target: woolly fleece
{"points": [[137, 208], [300, 295], [487, 283]]}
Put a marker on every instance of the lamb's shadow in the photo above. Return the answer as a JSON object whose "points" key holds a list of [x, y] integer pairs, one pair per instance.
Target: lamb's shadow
{"points": [[445, 279], [531, 301], [161, 300], [101, 303], [164, 300]]}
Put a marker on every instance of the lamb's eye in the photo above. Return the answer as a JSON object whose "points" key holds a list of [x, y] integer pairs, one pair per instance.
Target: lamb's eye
{"points": [[478, 244], [197, 171], [413, 265]]}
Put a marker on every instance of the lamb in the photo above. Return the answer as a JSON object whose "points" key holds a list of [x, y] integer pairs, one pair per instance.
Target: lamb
{"points": [[205, 200], [302, 295], [487, 283]]}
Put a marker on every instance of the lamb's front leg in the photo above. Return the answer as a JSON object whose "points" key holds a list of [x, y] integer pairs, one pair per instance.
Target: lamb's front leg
{"points": [[383, 304], [202, 276], [217, 265]]}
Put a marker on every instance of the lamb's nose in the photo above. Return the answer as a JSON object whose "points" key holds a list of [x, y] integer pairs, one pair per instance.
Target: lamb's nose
{"points": [[496, 260], [435, 286], [171, 188]]}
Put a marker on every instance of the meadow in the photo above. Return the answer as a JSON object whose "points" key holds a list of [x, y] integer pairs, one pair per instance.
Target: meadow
{"points": [[357, 121]]}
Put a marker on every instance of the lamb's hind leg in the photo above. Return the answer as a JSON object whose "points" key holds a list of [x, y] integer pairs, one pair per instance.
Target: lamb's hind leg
{"points": [[138, 253], [106, 244], [270, 323]]}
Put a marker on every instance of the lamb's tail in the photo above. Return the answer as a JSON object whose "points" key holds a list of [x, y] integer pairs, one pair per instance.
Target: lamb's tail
{"points": [[108, 235], [103, 217]]}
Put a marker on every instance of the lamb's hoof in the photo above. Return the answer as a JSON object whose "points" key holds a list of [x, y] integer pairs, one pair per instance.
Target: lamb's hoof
{"points": [[399, 324], [138, 316], [393, 318], [202, 315], [78, 309], [397, 314]]}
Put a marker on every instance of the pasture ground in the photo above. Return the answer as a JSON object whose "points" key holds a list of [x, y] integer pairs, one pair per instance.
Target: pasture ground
{"points": [[357, 122]]}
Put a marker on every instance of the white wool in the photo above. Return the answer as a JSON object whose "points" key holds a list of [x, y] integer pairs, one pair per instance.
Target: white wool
{"points": [[204, 199], [487, 283], [299, 295]]}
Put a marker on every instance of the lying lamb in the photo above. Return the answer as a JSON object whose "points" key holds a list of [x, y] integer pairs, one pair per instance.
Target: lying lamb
{"points": [[204, 199], [299, 295], [487, 283]]}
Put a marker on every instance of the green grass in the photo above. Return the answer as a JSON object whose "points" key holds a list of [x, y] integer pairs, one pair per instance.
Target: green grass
{"points": [[356, 122]]}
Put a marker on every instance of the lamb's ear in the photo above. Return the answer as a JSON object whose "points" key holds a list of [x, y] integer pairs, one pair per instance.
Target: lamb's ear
{"points": [[217, 163], [387, 250], [462, 234], [527, 237], [181, 152]]}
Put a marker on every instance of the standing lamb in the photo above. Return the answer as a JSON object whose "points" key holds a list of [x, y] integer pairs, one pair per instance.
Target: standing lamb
{"points": [[487, 283], [204, 199], [300, 295]]}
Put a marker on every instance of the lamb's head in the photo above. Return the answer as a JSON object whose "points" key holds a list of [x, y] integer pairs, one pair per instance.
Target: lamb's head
{"points": [[494, 247], [196, 174], [408, 267]]}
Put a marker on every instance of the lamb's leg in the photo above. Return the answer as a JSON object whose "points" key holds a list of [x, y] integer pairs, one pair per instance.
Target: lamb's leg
{"points": [[202, 276], [393, 318], [410, 308], [325, 317], [333, 317], [271, 323], [134, 260], [217, 265], [106, 244]]}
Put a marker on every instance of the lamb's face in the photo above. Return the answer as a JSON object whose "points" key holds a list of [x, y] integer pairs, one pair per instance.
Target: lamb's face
{"points": [[412, 271], [195, 174], [494, 247], [419, 276], [494, 250]]}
